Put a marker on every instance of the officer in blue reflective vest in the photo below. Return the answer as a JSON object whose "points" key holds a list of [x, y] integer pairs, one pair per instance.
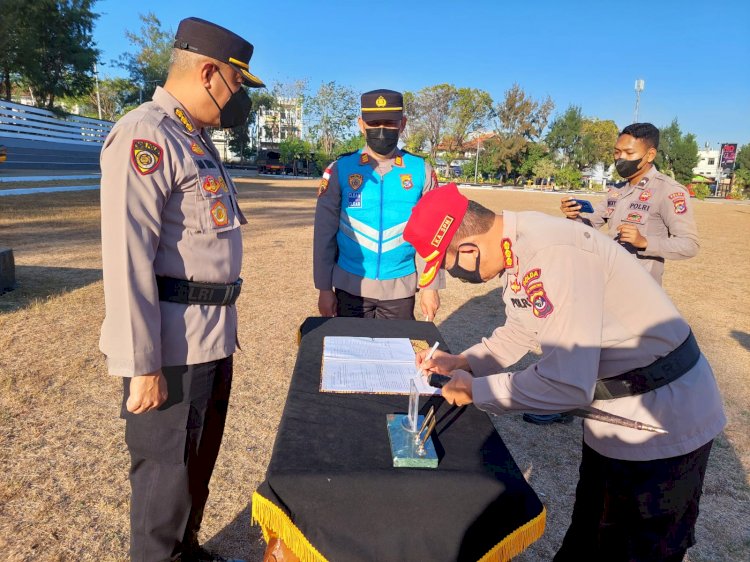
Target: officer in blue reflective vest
{"points": [[362, 266]]}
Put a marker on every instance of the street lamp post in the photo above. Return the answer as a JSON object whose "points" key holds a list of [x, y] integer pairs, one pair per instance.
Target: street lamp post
{"points": [[639, 87], [98, 99]]}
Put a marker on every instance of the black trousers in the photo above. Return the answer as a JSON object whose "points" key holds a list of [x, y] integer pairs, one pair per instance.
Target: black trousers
{"points": [[354, 306], [632, 511], [173, 451]]}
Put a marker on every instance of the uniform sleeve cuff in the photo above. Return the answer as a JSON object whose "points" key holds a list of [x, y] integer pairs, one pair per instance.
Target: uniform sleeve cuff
{"points": [[484, 396]]}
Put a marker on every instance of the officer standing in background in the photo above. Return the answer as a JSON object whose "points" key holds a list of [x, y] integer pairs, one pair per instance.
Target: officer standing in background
{"points": [[638, 492], [172, 253], [650, 215], [364, 201]]}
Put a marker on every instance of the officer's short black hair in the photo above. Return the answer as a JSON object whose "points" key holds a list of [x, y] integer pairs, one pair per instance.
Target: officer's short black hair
{"points": [[477, 220], [645, 132]]}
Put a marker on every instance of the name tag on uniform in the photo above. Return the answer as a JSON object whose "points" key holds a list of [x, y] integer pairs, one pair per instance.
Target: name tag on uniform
{"points": [[354, 199]]}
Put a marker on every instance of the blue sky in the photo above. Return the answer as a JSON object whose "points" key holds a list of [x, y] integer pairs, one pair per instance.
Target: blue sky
{"points": [[694, 56]]}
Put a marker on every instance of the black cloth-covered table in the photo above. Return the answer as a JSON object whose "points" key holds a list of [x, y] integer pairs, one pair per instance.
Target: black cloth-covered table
{"points": [[331, 492]]}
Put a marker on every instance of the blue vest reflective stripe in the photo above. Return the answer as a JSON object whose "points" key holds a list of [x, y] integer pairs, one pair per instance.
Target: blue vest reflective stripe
{"points": [[374, 212]]}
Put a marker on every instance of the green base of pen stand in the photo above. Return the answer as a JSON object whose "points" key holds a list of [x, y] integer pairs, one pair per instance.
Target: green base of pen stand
{"points": [[405, 451]]}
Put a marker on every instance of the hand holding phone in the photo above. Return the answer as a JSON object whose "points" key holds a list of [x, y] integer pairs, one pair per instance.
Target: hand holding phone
{"points": [[586, 206]]}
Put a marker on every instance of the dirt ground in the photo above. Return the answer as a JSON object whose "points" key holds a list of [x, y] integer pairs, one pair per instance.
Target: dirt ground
{"points": [[63, 463]]}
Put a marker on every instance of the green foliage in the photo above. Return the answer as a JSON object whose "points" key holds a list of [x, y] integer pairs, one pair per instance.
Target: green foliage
{"points": [[566, 137], [149, 64], [350, 144], [599, 139], [568, 176], [519, 121], [49, 45], [742, 160], [543, 168], [532, 155], [701, 191], [331, 114], [678, 153], [429, 113]]}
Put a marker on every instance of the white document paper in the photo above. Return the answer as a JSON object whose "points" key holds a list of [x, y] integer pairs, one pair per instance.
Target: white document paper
{"points": [[370, 365]]}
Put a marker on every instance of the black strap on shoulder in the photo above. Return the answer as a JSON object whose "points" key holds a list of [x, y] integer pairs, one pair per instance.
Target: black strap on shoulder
{"points": [[659, 373], [182, 291]]}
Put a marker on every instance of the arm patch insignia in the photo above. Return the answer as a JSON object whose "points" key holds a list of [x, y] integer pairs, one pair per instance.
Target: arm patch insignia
{"points": [[146, 156]]}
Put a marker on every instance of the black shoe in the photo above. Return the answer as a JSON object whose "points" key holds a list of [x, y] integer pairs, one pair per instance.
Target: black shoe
{"points": [[547, 419]]}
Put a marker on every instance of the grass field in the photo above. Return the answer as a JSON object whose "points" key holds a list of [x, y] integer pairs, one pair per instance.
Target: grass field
{"points": [[63, 463]]}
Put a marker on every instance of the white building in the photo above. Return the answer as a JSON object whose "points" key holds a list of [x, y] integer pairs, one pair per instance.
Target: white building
{"points": [[708, 163], [280, 123]]}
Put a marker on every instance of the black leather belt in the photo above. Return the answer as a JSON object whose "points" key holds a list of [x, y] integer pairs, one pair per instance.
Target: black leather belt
{"points": [[182, 291], [659, 373]]}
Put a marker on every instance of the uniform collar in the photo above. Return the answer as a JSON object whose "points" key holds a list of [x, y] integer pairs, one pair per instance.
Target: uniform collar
{"points": [[366, 157], [175, 111], [645, 179], [510, 235]]}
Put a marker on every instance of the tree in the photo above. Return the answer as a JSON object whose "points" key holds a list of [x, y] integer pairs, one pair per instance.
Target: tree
{"points": [[331, 113], [568, 176], [519, 120], [741, 179], [599, 139], [51, 47], [533, 154], [149, 64], [544, 168], [429, 112], [566, 136], [678, 153], [114, 94], [14, 37], [242, 138], [293, 149]]}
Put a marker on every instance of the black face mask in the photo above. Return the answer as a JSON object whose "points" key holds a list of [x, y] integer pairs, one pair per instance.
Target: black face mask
{"points": [[382, 140], [464, 274], [237, 109], [627, 168]]}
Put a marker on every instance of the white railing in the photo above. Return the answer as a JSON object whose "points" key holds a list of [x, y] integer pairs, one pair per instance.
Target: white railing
{"points": [[26, 122]]}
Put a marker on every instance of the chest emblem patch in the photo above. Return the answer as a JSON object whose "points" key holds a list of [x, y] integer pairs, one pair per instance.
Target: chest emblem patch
{"points": [[355, 181], [354, 199], [406, 181], [645, 195], [211, 185], [515, 286], [634, 217], [146, 156], [219, 214], [195, 147]]}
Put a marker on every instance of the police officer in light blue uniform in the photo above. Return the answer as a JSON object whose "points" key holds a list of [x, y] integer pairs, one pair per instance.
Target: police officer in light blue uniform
{"points": [[362, 266]]}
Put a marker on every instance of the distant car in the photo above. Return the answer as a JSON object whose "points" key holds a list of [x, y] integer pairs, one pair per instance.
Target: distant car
{"points": [[3, 154]]}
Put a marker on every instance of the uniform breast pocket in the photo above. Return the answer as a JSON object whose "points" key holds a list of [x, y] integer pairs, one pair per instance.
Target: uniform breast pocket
{"points": [[214, 204]]}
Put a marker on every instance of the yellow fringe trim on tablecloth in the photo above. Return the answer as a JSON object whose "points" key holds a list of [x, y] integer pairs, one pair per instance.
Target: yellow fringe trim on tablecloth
{"points": [[275, 523], [518, 541]]}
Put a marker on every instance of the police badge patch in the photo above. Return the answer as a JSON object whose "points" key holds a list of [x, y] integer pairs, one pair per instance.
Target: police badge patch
{"points": [[197, 149], [406, 181], [146, 156], [355, 181], [680, 205], [219, 214], [210, 184], [645, 195], [541, 305]]}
